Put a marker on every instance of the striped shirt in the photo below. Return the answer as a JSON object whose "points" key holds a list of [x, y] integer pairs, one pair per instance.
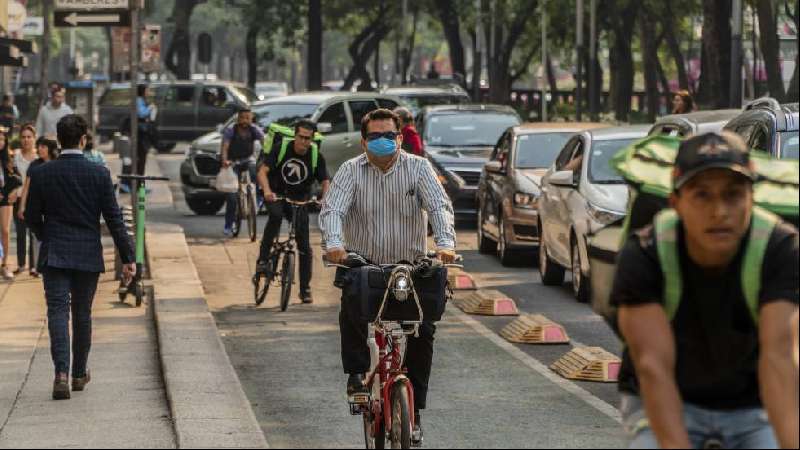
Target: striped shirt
{"points": [[382, 216]]}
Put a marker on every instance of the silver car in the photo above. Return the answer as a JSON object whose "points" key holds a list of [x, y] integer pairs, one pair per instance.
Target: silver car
{"points": [[581, 193]]}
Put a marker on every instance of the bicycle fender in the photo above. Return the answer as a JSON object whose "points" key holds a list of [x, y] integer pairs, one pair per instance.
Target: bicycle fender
{"points": [[387, 389]]}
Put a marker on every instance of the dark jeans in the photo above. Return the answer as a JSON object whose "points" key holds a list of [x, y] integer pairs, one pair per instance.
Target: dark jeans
{"points": [[419, 353], [70, 291], [23, 246], [277, 211], [231, 200]]}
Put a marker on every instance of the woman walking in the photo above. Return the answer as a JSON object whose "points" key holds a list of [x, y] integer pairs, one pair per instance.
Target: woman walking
{"points": [[48, 151], [12, 181], [23, 159]]}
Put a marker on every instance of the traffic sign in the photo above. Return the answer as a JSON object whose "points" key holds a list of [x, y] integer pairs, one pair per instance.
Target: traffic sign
{"points": [[72, 19], [91, 5]]}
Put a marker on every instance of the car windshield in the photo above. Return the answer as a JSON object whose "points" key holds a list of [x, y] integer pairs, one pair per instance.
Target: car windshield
{"points": [[468, 129], [245, 95], [417, 102], [600, 171], [536, 151], [790, 145], [283, 113]]}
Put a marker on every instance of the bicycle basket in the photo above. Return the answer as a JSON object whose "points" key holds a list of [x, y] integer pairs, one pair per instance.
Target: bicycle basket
{"points": [[363, 290]]}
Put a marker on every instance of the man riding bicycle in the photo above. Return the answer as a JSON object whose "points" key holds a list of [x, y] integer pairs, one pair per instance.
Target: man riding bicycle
{"points": [[706, 298], [289, 169], [376, 208], [237, 149]]}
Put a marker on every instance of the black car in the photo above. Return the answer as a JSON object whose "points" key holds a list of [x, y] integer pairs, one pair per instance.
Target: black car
{"points": [[458, 140], [186, 109], [769, 127]]}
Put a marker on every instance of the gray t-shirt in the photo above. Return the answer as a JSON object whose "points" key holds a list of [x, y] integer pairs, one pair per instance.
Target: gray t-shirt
{"points": [[48, 118]]}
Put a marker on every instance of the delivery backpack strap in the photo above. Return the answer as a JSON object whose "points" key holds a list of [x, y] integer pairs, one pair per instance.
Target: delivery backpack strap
{"points": [[666, 228], [314, 153], [286, 135]]}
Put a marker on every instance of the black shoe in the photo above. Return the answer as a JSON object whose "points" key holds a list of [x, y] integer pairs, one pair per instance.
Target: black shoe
{"points": [[416, 433], [355, 385], [262, 267], [306, 297]]}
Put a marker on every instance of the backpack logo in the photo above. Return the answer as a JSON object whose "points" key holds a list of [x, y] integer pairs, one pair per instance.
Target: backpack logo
{"points": [[294, 172]]}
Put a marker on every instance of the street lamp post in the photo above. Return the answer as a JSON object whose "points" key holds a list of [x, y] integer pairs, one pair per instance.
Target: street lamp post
{"points": [[736, 55], [544, 61], [579, 68], [134, 75], [593, 85], [477, 63]]}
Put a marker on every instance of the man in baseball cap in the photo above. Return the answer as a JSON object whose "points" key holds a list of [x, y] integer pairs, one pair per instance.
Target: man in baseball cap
{"points": [[705, 297]]}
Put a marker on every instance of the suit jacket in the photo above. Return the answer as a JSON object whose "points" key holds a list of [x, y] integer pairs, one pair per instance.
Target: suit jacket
{"points": [[65, 201]]}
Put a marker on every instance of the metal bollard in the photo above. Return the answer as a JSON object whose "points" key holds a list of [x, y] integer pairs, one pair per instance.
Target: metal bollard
{"points": [[122, 147]]}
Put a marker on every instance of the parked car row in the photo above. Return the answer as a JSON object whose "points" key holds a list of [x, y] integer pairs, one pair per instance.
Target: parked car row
{"points": [[548, 189]]}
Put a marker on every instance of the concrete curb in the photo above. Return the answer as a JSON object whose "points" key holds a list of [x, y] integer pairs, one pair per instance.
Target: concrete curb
{"points": [[208, 405]]}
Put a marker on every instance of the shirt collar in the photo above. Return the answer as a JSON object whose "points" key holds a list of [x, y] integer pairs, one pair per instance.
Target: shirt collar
{"points": [[400, 159], [72, 152]]}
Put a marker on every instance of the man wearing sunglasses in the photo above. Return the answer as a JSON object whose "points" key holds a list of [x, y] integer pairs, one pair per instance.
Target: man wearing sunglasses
{"points": [[290, 172], [377, 208]]}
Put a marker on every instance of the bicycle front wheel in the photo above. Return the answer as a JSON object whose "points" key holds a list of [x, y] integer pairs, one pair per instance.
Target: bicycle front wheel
{"points": [[401, 417], [287, 278], [252, 212], [240, 207]]}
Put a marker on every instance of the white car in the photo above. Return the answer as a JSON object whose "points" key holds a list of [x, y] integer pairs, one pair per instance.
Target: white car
{"points": [[581, 193]]}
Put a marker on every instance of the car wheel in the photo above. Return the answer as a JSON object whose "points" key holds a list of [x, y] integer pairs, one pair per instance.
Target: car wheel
{"points": [[552, 274], [486, 246], [165, 147], [580, 283], [204, 207], [506, 255]]}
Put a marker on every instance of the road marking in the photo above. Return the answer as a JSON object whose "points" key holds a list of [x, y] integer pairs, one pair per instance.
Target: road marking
{"points": [[540, 368]]}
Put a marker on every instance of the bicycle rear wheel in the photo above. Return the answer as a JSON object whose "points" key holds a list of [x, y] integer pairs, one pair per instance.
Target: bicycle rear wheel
{"points": [[252, 212], [374, 439], [400, 435], [287, 278]]}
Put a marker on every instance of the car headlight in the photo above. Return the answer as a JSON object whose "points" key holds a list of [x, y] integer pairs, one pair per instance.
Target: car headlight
{"points": [[189, 151], [526, 201], [603, 216]]}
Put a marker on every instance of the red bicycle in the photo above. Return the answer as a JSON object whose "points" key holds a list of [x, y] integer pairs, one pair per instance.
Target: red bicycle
{"points": [[387, 406]]}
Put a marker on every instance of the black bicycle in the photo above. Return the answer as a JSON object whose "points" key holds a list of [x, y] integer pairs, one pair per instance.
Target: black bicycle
{"points": [[281, 263]]}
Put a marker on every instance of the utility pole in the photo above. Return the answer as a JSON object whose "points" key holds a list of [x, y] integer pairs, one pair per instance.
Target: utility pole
{"points": [[579, 68], [134, 72], [735, 97], [45, 55], [544, 60], [477, 64], [593, 87]]}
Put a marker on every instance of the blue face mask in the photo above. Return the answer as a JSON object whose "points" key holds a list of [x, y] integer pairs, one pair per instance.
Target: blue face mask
{"points": [[382, 147]]}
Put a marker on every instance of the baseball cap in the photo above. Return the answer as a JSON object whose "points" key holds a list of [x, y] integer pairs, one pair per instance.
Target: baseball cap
{"points": [[711, 151]]}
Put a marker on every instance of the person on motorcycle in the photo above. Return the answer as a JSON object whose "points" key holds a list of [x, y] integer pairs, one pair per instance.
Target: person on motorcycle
{"points": [[290, 171], [706, 297], [237, 148], [376, 208]]}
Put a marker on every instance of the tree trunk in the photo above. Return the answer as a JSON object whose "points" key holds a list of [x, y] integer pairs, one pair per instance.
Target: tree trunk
{"points": [[314, 45], [452, 32], [361, 50], [668, 22], [715, 78], [251, 52], [551, 77], [506, 39], [622, 71], [45, 53], [180, 48], [794, 89], [770, 47], [408, 52], [649, 65]]}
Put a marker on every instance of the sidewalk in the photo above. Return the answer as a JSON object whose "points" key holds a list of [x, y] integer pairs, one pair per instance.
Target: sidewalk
{"points": [[125, 405]]}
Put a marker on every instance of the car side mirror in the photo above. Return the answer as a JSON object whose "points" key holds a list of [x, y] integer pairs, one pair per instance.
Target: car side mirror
{"points": [[325, 127], [564, 178], [495, 167]]}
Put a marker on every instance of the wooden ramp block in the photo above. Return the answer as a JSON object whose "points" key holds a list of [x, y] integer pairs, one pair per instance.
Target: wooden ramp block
{"points": [[460, 280], [588, 364], [535, 329], [487, 303]]}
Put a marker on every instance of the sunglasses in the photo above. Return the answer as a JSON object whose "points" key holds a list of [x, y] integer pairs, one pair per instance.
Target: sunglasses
{"points": [[391, 135], [303, 138]]}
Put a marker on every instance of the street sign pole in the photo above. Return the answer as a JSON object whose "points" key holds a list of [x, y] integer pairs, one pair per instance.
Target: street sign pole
{"points": [[134, 73], [545, 67], [579, 62]]}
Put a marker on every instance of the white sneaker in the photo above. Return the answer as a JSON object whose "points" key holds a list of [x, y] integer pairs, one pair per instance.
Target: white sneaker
{"points": [[7, 274]]}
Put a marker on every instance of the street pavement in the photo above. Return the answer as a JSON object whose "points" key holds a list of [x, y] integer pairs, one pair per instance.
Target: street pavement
{"points": [[485, 393]]}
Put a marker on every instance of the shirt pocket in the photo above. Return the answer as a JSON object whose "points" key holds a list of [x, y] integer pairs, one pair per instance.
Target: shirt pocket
{"points": [[405, 200]]}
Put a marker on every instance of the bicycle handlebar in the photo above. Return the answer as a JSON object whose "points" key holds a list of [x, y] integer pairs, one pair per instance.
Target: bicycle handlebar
{"points": [[296, 203]]}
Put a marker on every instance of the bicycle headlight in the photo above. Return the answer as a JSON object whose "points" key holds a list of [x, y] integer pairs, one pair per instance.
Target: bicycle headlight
{"points": [[401, 288]]}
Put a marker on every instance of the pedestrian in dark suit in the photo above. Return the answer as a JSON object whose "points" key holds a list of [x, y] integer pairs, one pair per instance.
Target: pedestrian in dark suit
{"points": [[66, 198]]}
